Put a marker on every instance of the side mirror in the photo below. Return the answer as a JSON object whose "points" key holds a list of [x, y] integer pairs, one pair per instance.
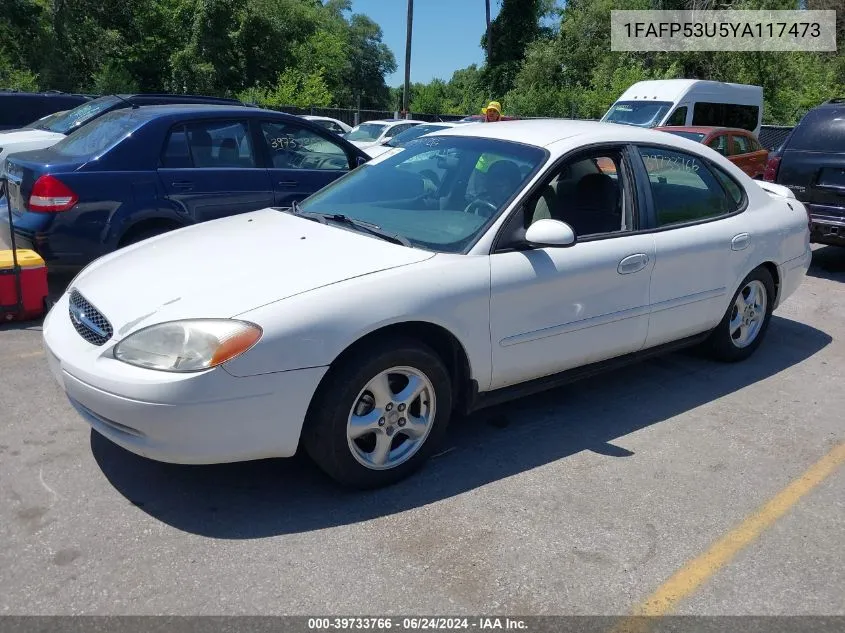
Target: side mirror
{"points": [[549, 232], [360, 161]]}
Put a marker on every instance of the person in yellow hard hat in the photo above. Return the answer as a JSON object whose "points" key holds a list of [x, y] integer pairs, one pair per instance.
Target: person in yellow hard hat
{"points": [[493, 112]]}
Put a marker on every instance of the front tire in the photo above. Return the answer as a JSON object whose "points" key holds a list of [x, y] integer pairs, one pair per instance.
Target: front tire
{"points": [[378, 415], [746, 320]]}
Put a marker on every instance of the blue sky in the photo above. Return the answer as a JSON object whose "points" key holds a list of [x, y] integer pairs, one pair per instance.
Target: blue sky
{"points": [[446, 34]]}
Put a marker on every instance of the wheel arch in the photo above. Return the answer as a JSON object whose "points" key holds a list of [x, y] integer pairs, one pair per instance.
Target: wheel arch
{"points": [[442, 341], [148, 224], [774, 271]]}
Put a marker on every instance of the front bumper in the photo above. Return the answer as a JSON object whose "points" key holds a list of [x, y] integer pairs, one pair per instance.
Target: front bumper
{"points": [[199, 418]]}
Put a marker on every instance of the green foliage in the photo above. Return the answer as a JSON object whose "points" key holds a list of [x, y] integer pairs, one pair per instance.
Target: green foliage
{"points": [[114, 77], [574, 72], [293, 88], [15, 78], [516, 26], [304, 50], [548, 57]]}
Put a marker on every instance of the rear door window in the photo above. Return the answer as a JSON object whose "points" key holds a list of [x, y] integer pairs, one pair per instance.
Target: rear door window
{"points": [[209, 144], [685, 190]]}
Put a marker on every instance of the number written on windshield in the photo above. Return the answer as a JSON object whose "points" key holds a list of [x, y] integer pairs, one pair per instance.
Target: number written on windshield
{"points": [[284, 142]]}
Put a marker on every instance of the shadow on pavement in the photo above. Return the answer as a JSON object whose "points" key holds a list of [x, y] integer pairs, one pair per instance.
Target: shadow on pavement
{"points": [[281, 496], [828, 263]]}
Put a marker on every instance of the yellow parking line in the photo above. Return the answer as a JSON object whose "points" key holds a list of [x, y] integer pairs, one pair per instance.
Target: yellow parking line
{"points": [[697, 571]]}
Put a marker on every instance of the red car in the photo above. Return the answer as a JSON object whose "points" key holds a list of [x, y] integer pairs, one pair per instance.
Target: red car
{"points": [[740, 147]]}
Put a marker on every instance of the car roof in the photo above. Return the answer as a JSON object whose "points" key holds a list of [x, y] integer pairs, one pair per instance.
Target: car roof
{"points": [[392, 121], [701, 129], [148, 112], [546, 132], [447, 123]]}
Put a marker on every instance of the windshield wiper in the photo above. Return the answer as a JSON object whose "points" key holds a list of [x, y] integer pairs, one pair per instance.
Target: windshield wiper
{"points": [[369, 227]]}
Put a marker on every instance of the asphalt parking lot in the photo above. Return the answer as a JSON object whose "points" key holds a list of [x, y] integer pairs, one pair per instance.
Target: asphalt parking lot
{"points": [[704, 488]]}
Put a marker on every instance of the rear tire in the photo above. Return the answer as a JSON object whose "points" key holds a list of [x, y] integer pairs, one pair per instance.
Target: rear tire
{"points": [[379, 414], [746, 320]]}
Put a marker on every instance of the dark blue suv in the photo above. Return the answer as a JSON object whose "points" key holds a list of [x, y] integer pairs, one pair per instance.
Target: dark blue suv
{"points": [[138, 172]]}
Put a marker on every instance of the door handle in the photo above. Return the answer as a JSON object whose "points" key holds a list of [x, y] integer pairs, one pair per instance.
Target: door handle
{"points": [[740, 242], [287, 183], [183, 184], [632, 264]]}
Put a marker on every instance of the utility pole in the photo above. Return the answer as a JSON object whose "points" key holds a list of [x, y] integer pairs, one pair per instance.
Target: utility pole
{"points": [[406, 96], [489, 34]]}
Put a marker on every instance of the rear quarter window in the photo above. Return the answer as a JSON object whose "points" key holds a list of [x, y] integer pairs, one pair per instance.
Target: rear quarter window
{"points": [[821, 130]]}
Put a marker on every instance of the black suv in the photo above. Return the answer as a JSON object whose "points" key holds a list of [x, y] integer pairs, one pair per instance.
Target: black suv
{"points": [[91, 110], [811, 162], [19, 109]]}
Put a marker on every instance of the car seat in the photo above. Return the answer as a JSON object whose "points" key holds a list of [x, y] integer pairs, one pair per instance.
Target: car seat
{"points": [[201, 145], [596, 207], [228, 154]]}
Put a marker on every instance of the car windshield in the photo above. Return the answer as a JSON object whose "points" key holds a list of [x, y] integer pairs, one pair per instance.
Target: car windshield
{"points": [[415, 132], [44, 122], [439, 192], [100, 135], [639, 113], [366, 132], [80, 115], [693, 136]]}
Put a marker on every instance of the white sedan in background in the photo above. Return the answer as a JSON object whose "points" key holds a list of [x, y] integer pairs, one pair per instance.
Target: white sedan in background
{"points": [[356, 323], [401, 139], [333, 125], [373, 133]]}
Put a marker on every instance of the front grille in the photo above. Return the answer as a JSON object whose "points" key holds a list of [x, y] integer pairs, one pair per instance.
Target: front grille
{"points": [[89, 322]]}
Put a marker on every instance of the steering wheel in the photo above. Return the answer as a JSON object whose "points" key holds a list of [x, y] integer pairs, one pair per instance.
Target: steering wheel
{"points": [[479, 206]]}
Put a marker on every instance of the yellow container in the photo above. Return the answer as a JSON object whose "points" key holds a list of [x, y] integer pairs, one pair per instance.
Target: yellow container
{"points": [[26, 259]]}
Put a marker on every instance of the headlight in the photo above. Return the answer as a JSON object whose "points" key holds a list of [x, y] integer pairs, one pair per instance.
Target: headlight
{"points": [[185, 346]]}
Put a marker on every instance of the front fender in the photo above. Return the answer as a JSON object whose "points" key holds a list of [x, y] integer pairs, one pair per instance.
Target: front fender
{"points": [[313, 328]]}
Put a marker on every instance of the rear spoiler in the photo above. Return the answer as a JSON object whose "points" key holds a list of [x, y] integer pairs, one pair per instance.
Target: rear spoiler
{"points": [[778, 190]]}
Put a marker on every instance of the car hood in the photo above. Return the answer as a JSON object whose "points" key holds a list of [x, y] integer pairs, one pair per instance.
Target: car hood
{"points": [[226, 267]]}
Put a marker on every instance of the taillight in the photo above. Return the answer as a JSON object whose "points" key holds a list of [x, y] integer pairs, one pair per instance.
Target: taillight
{"points": [[771, 173], [51, 195]]}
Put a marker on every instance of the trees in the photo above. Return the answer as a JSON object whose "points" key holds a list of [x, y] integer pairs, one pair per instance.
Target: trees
{"points": [[517, 25], [274, 49]]}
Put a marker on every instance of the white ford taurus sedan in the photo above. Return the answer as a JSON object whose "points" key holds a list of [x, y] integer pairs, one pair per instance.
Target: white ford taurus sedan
{"points": [[468, 267]]}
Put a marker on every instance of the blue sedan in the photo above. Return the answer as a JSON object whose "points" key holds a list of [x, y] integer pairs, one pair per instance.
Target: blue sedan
{"points": [[136, 173]]}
